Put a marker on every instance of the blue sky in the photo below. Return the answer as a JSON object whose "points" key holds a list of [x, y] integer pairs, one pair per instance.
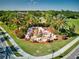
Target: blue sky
{"points": [[39, 5]]}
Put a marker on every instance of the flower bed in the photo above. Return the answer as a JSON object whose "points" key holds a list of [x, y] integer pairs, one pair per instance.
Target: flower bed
{"points": [[41, 34]]}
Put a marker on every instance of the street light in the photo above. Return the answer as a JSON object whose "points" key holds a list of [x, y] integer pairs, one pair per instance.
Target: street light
{"points": [[53, 53]]}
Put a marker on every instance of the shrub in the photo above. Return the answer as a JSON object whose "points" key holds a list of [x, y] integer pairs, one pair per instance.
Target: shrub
{"points": [[20, 34]]}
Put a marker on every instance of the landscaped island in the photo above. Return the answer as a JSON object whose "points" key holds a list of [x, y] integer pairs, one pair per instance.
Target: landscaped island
{"points": [[42, 34], [55, 28]]}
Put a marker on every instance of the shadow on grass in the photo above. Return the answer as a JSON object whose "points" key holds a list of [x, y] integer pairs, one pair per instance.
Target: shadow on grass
{"points": [[73, 35]]}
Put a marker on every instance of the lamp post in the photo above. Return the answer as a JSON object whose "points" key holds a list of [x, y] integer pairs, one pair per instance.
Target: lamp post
{"points": [[53, 53]]}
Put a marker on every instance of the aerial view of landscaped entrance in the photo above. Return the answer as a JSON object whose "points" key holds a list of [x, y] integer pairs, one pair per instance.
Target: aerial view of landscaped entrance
{"points": [[39, 29]]}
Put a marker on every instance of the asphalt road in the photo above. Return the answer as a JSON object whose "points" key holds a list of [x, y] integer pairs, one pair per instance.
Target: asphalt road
{"points": [[74, 54]]}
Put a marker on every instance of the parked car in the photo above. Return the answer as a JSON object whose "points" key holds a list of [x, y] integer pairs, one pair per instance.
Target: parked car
{"points": [[77, 57]]}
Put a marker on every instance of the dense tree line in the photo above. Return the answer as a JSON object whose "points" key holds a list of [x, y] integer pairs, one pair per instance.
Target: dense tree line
{"points": [[19, 21]]}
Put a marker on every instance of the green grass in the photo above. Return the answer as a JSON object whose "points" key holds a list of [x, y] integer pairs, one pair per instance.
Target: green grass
{"points": [[76, 23], [38, 49]]}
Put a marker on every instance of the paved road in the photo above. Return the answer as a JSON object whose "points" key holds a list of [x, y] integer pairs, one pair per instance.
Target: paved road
{"points": [[74, 54]]}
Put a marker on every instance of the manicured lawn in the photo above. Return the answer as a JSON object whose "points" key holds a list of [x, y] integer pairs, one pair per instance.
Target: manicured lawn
{"points": [[38, 49], [76, 23]]}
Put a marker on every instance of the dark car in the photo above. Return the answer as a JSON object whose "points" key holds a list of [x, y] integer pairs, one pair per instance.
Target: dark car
{"points": [[77, 57]]}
